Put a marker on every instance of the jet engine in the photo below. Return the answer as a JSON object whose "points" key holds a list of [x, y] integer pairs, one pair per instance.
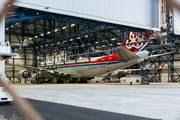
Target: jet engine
{"points": [[24, 74]]}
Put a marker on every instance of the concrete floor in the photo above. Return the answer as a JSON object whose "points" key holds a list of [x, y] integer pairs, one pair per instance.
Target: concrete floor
{"points": [[159, 101]]}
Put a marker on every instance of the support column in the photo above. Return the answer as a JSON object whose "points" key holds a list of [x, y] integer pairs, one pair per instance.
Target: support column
{"points": [[2, 40]]}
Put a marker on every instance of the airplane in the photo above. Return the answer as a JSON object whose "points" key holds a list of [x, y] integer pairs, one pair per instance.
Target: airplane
{"points": [[124, 56]]}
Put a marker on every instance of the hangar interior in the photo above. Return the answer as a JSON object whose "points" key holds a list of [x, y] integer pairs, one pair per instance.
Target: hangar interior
{"points": [[45, 39]]}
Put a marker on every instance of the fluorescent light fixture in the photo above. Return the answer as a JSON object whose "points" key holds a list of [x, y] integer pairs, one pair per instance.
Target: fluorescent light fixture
{"points": [[41, 46], [96, 42], [118, 43], [42, 34], [58, 43], [52, 44], [36, 36], [30, 38], [48, 32], [55, 30], [78, 37], [25, 40], [19, 47], [37, 13], [17, 23], [72, 24], [113, 39], [63, 27], [11, 25], [7, 28], [46, 45], [82, 45], [71, 39], [76, 46], [86, 36], [103, 45]]}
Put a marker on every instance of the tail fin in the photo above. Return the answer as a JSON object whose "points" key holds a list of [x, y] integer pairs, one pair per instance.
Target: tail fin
{"points": [[136, 38]]}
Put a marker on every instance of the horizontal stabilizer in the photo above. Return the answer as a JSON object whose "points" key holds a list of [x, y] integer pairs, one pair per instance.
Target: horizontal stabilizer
{"points": [[123, 54]]}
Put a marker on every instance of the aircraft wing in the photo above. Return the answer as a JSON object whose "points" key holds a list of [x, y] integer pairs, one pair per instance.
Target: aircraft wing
{"points": [[123, 54], [43, 71]]}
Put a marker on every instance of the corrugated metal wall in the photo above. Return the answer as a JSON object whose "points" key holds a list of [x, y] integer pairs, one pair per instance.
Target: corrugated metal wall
{"points": [[137, 13]]}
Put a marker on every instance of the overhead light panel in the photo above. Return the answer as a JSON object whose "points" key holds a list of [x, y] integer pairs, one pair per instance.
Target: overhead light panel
{"points": [[63, 27], [64, 41], [19, 47], [36, 47], [72, 24], [16, 49], [58, 42], [46, 45], [42, 34], [86, 36], [55, 30], [78, 37], [113, 39], [52, 44], [17, 23], [41, 46], [103, 45], [11, 25], [36, 36], [96, 42], [71, 39], [30, 38], [48, 32], [118, 43], [7, 28], [82, 45], [25, 40], [37, 13]]}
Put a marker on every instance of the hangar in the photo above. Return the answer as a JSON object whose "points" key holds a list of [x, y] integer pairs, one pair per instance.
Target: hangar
{"points": [[91, 41], [46, 35]]}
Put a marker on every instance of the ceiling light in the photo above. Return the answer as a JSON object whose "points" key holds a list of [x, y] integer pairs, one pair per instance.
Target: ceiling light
{"points": [[7, 28], [25, 40], [82, 45], [118, 43], [103, 45], [46, 45], [72, 24], [55, 30], [63, 27], [17, 23], [30, 38], [76, 46], [37, 13], [52, 44], [71, 39], [64, 41], [48, 32], [36, 47], [36, 36], [42, 34], [16, 49], [58, 43], [11, 25], [96, 42], [78, 37], [113, 39], [41, 46], [110, 44], [86, 36], [19, 47]]}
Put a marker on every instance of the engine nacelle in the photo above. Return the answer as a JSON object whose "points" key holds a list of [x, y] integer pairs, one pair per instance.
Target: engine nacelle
{"points": [[23, 74]]}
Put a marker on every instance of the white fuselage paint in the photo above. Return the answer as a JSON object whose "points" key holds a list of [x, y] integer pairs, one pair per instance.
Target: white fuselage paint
{"points": [[95, 69]]}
